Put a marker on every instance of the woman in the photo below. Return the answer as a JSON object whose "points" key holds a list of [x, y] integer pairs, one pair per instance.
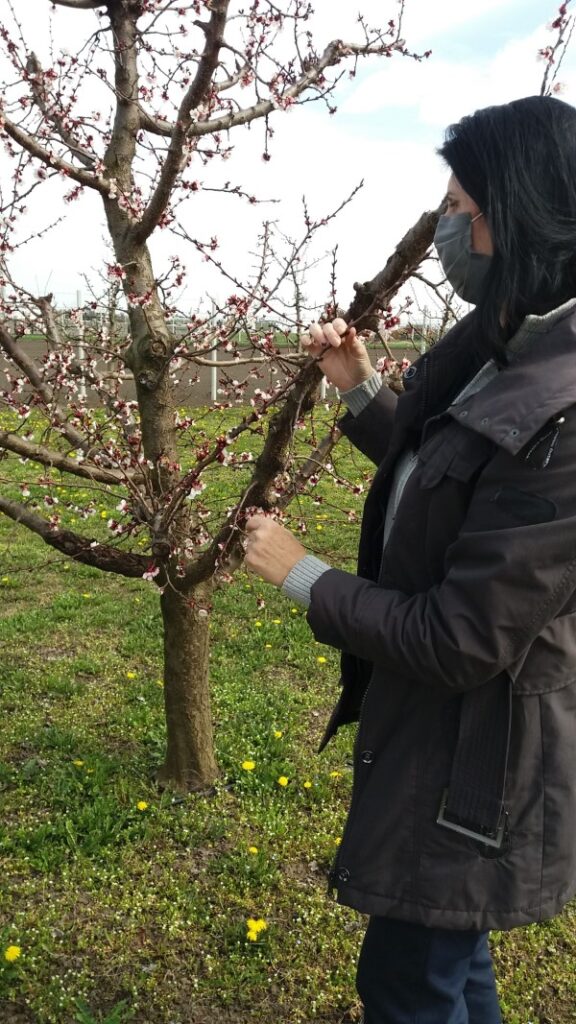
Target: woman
{"points": [[458, 635]]}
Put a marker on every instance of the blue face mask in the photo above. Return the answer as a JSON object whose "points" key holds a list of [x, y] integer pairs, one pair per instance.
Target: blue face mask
{"points": [[464, 269]]}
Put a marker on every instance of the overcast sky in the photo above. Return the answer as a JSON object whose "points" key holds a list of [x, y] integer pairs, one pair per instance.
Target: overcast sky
{"points": [[390, 119]]}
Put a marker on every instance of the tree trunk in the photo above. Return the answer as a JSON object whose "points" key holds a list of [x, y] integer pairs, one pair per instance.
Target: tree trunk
{"points": [[190, 764]]}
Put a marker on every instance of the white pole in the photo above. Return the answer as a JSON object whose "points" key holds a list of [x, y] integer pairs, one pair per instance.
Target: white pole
{"points": [[80, 354], [214, 369], [323, 385], [424, 326]]}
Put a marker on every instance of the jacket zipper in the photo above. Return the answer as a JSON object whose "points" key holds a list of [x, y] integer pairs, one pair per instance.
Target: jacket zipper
{"points": [[553, 434], [425, 385], [334, 870]]}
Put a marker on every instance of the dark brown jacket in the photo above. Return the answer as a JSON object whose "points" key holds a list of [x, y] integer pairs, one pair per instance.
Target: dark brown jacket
{"points": [[475, 594]]}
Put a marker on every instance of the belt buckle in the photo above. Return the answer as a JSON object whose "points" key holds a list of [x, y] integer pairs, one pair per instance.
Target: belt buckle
{"points": [[493, 838]]}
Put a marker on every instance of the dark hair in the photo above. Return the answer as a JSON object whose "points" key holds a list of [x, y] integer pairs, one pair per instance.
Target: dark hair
{"points": [[518, 163]]}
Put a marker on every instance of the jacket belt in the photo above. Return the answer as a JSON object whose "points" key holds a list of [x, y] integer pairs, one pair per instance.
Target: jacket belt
{"points": [[473, 803]]}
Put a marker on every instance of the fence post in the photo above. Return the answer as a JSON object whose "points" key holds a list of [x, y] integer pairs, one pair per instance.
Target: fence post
{"points": [[213, 369], [80, 354]]}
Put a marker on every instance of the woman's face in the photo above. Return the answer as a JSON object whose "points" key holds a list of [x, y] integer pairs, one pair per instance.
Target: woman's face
{"points": [[458, 201]]}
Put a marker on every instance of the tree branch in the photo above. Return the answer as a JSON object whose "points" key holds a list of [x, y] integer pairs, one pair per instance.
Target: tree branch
{"points": [[32, 146], [370, 297], [155, 125], [233, 80], [80, 5], [333, 53], [195, 95], [81, 549], [119, 156], [34, 69], [56, 460], [314, 463], [202, 361], [45, 392], [375, 295]]}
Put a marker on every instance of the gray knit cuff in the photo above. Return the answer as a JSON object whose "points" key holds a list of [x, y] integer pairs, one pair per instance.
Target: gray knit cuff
{"points": [[302, 577], [359, 397]]}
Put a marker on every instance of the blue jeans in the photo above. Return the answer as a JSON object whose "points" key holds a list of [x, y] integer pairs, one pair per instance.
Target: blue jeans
{"points": [[409, 974]]}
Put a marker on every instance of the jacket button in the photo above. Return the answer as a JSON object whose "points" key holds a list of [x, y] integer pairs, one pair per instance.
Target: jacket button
{"points": [[343, 875], [463, 415], [484, 421], [367, 756], [409, 372]]}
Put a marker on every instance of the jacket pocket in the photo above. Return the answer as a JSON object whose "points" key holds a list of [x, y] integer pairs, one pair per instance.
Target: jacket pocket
{"points": [[550, 662], [456, 452], [524, 507]]}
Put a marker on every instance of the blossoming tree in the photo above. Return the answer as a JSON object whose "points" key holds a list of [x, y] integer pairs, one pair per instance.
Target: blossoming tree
{"points": [[171, 81]]}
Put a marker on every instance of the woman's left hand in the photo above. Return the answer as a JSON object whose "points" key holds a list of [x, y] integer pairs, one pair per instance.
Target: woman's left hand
{"points": [[271, 550]]}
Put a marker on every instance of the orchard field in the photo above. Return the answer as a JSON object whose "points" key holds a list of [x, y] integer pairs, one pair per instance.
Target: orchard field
{"points": [[121, 903]]}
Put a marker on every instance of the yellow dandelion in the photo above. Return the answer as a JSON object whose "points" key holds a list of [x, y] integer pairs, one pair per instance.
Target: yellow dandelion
{"points": [[294, 611], [321, 660], [268, 647], [131, 675], [337, 840], [142, 805], [283, 780], [319, 526], [307, 784], [257, 623], [252, 935], [103, 514], [256, 925], [87, 595], [335, 775], [11, 953], [78, 763], [248, 766], [277, 734], [276, 621], [253, 850]]}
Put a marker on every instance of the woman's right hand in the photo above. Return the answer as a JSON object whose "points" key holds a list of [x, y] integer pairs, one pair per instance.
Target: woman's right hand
{"points": [[344, 359]]}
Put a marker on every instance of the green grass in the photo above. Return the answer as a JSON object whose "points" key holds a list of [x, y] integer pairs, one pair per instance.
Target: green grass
{"points": [[127, 913], [281, 340]]}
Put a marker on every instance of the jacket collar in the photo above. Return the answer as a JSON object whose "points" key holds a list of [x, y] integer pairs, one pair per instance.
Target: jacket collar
{"points": [[538, 383]]}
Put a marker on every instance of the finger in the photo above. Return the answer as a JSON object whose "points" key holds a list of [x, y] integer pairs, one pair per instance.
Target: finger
{"points": [[331, 336], [310, 345], [317, 334], [254, 523], [340, 326]]}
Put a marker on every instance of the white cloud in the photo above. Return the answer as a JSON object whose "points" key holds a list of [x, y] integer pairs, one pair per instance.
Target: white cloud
{"points": [[441, 91], [314, 155], [423, 20]]}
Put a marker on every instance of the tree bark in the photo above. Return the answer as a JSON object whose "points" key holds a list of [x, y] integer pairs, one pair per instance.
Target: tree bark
{"points": [[190, 764]]}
